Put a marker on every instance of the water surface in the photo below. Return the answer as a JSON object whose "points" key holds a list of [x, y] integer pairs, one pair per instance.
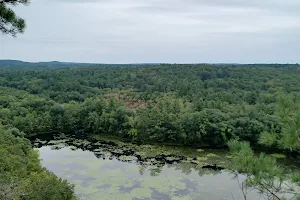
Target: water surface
{"points": [[100, 174]]}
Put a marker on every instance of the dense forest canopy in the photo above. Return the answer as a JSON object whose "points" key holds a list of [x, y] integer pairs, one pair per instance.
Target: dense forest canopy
{"points": [[186, 104]]}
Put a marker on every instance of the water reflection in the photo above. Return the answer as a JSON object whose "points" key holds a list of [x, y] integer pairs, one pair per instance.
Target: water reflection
{"points": [[104, 170]]}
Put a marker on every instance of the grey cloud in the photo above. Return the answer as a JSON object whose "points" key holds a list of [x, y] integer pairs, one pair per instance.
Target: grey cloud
{"points": [[122, 31]]}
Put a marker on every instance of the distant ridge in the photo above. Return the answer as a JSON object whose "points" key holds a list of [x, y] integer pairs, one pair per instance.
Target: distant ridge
{"points": [[19, 63]]}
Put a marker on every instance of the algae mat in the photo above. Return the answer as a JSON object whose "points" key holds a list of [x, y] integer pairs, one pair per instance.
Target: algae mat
{"points": [[125, 179]]}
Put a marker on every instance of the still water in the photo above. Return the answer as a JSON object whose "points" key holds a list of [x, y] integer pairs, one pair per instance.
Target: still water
{"points": [[99, 173]]}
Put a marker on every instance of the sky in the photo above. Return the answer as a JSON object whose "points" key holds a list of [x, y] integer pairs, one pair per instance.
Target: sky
{"points": [[157, 31]]}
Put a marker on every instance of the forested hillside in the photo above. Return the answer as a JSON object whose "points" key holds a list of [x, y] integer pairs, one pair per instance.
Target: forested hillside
{"points": [[21, 174], [185, 104]]}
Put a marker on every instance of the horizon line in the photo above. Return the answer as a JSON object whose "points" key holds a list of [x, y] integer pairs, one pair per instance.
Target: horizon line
{"points": [[154, 63]]}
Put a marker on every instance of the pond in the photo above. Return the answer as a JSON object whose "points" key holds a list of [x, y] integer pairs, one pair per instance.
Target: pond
{"points": [[114, 170]]}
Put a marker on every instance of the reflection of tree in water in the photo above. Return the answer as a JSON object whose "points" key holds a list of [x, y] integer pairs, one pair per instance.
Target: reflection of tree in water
{"points": [[203, 172], [155, 171], [142, 169], [187, 168], [109, 150], [184, 167]]}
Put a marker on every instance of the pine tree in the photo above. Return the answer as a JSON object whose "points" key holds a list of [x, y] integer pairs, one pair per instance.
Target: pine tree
{"points": [[288, 114], [262, 171], [10, 23]]}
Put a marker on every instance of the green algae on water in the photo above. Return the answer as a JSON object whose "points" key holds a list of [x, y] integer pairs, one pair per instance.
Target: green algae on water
{"points": [[277, 155]]}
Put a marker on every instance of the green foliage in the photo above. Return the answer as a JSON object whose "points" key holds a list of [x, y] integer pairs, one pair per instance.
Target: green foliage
{"points": [[245, 161], [191, 105], [9, 22], [288, 113], [21, 175], [187, 104], [46, 186], [263, 173], [268, 138]]}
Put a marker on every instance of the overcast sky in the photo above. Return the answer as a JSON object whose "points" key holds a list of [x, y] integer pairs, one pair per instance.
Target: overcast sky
{"points": [[174, 31]]}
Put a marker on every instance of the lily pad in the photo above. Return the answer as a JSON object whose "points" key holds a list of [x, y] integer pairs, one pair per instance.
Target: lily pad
{"points": [[212, 155], [202, 158]]}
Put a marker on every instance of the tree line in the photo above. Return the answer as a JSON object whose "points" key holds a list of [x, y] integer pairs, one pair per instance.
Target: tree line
{"points": [[185, 104]]}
